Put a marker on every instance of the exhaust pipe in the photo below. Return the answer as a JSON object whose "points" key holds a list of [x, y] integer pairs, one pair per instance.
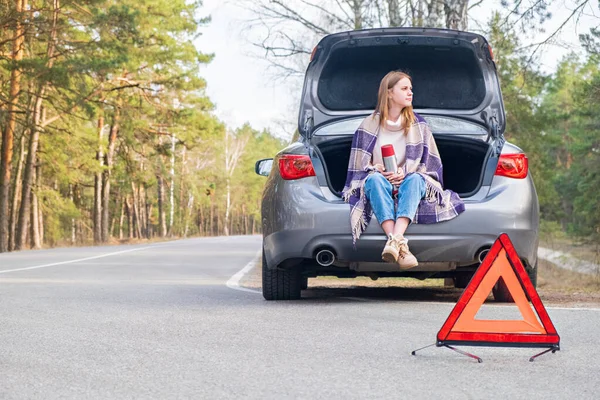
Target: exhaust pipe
{"points": [[482, 254], [325, 257]]}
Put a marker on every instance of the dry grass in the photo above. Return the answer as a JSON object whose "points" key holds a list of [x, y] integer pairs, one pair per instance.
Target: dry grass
{"points": [[555, 279], [583, 251]]}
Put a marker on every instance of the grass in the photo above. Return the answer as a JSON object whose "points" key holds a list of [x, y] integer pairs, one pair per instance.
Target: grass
{"points": [[589, 252]]}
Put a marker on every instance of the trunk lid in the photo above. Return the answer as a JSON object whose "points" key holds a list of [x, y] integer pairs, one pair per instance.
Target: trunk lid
{"points": [[453, 75]]}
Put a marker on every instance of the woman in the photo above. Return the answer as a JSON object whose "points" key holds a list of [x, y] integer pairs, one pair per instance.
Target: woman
{"points": [[421, 197]]}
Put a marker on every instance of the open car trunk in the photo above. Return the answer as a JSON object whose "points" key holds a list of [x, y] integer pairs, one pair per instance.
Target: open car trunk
{"points": [[463, 160], [452, 72]]}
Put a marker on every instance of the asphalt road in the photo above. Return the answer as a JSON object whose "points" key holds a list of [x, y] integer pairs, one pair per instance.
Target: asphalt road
{"points": [[160, 321]]}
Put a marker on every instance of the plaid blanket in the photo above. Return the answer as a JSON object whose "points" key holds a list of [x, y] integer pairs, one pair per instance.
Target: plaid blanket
{"points": [[422, 157]]}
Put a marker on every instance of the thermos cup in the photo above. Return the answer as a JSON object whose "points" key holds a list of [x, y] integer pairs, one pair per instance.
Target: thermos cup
{"points": [[389, 162]]}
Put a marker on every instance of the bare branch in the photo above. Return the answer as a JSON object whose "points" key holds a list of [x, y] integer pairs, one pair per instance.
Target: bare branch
{"points": [[549, 38], [329, 13], [475, 5]]}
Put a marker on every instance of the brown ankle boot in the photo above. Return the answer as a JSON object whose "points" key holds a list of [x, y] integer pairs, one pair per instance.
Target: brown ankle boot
{"points": [[406, 260], [391, 251]]}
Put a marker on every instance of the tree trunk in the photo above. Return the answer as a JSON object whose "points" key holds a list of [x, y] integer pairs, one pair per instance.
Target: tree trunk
{"points": [[183, 214], [35, 220], [149, 229], [40, 211], [9, 130], [395, 16], [121, 219], [161, 206], [148, 208], [219, 222], [212, 218], [200, 219], [71, 197], [16, 196], [142, 210], [172, 188], [34, 138], [78, 230], [357, 13], [227, 208], [98, 183], [129, 218], [435, 11], [112, 139], [456, 14], [24, 211], [190, 206], [136, 212]]}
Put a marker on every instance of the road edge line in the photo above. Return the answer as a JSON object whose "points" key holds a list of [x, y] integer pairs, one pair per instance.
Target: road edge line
{"points": [[234, 281]]}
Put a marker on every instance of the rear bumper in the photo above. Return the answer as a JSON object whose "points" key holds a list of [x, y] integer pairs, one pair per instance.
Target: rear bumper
{"points": [[314, 223], [435, 248]]}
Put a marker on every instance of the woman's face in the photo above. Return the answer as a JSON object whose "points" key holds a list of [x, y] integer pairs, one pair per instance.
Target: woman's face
{"points": [[401, 94]]}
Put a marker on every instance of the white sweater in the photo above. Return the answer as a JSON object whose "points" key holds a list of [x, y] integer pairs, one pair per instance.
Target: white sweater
{"points": [[391, 133]]}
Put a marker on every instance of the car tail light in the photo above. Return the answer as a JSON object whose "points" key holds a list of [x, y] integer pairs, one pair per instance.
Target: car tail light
{"points": [[512, 166], [312, 54], [294, 166]]}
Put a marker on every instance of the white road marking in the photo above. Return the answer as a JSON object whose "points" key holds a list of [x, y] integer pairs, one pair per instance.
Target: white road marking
{"points": [[234, 281], [176, 242], [75, 261]]}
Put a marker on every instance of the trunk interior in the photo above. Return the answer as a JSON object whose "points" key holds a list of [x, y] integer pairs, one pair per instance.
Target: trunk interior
{"points": [[444, 76], [463, 160]]}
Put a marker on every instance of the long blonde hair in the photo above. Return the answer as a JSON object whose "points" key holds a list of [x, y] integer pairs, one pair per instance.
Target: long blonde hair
{"points": [[388, 82]]}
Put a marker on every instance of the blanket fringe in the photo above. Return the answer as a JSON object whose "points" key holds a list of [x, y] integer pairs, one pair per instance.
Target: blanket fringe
{"points": [[352, 190], [433, 193]]}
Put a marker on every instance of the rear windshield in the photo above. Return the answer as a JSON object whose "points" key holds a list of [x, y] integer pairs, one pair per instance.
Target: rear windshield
{"points": [[443, 77], [437, 124]]}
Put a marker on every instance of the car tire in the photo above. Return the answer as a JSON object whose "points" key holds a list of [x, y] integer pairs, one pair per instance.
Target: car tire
{"points": [[462, 281], [501, 293], [280, 284], [304, 282]]}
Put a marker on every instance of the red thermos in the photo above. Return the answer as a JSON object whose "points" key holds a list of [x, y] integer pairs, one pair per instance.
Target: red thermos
{"points": [[389, 158], [389, 161]]}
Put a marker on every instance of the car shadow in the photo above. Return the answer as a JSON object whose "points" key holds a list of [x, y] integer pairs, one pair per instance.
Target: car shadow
{"points": [[427, 293]]}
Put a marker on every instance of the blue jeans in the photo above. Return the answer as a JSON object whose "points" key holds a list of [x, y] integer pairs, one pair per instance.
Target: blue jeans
{"points": [[379, 192]]}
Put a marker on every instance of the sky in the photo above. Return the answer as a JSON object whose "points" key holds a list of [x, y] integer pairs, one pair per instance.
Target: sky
{"points": [[243, 91]]}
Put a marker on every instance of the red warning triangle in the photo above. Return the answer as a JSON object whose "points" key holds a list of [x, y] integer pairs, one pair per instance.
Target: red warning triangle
{"points": [[461, 326]]}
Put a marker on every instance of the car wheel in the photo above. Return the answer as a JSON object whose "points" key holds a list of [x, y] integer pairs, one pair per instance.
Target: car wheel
{"points": [[280, 284], [461, 281], [501, 293], [304, 282], [533, 274]]}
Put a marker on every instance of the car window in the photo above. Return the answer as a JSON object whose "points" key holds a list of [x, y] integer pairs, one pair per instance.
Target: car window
{"points": [[436, 123]]}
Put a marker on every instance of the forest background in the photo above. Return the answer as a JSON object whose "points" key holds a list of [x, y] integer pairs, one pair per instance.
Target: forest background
{"points": [[108, 134]]}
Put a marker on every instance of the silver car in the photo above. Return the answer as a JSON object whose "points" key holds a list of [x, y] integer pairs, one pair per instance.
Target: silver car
{"points": [[305, 222]]}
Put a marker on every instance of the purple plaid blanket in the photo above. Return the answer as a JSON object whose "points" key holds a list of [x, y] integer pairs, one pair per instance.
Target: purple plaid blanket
{"points": [[422, 157]]}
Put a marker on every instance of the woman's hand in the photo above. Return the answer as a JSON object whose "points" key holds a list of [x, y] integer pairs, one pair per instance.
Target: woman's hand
{"points": [[379, 168], [395, 178]]}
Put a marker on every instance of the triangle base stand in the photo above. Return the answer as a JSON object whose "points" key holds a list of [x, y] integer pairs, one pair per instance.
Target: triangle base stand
{"points": [[553, 349]]}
